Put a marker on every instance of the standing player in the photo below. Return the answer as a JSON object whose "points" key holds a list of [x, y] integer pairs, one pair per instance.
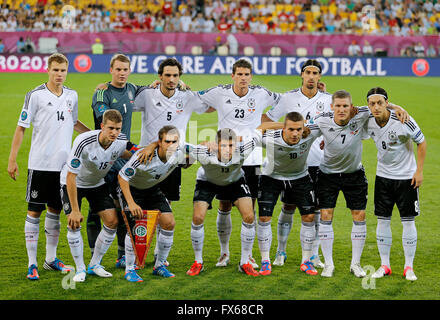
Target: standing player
{"points": [[140, 188], [341, 170], [285, 172], [52, 108], [221, 175], [165, 105], [118, 95], [92, 156], [239, 105], [398, 178], [310, 102]]}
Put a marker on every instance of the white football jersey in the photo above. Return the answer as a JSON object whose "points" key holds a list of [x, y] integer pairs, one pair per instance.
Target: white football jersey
{"points": [[144, 176], [222, 173], [309, 108], [284, 161], [90, 161], [394, 142], [343, 144], [159, 111], [53, 119], [242, 114]]}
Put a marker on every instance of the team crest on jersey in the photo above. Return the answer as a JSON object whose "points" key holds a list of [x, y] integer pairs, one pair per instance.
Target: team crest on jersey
{"points": [[392, 136], [24, 115], [303, 146], [353, 126], [129, 172], [75, 163], [320, 106], [114, 155], [130, 95], [251, 104], [34, 194], [179, 106]]}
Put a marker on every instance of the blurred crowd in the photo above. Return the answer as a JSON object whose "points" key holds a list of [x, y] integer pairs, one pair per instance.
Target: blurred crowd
{"points": [[394, 17]]}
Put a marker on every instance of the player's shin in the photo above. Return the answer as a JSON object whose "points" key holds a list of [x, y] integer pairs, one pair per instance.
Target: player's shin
{"points": [[307, 237], [285, 221], [103, 243], [165, 242], [76, 245], [247, 241], [264, 235], [224, 229], [197, 239], [409, 241], [384, 240], [358, 235], [326, 236], [52, 227], [130, 256], [120, 233], [31, 232], [93, 229]]}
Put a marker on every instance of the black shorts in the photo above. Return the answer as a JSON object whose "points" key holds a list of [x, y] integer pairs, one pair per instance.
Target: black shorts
{"points": [[206, 191], [388, 192], [148, 199], [171, 185], [313, 173], [251, 174], [353, 185], [298, 192], [99, 198], [112, 177], [43, 188]]}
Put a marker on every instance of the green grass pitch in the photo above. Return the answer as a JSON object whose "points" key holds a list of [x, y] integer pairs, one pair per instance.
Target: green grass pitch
{"points": [[420, 96]]}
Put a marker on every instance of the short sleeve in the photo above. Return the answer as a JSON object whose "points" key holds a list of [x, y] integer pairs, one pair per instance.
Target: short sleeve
{"points": [[99, 104], [209, 96], [30, 108], [196, 103], [414, 131], [279, 109]]}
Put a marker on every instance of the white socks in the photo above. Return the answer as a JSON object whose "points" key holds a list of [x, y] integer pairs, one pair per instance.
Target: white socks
{"points": [[130, 256], [409, 241], [197, 237], [31, 232], [384, 239], [247, 240], [224, 229], [316, 243], [307, 238], [76, 248], [264, 239], [52, 227], [102, 244], [164, 242], [285, 221], [358, 235], [326, 236]]}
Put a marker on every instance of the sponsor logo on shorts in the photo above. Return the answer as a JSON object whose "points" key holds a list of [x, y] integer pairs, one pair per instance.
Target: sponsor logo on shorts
{"points": [[75, 163]]}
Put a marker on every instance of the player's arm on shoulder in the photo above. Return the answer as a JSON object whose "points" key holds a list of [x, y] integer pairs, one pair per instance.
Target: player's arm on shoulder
{"points": [[80, 127], [15, 147], [269, 125], [147, 153], [135, 210], [102, 86], [75, 218], [401, 113]]}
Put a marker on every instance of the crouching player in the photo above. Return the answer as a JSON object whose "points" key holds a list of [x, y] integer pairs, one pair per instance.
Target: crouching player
{"points": [[285, 172], [139, 186], [398, 178], [221, 175], [90, 159]]}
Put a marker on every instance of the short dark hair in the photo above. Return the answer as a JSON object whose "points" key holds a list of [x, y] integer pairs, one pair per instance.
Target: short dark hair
{"points": [[225, 134], [377, 90], [294, 116], [112, 115], [166, 129], [169, 62], [241, 63], [341, 94], [311, 62]]}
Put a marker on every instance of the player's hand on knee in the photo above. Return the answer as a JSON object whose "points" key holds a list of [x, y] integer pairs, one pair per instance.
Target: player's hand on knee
{"points": [[74, 220], [13, 170]]}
